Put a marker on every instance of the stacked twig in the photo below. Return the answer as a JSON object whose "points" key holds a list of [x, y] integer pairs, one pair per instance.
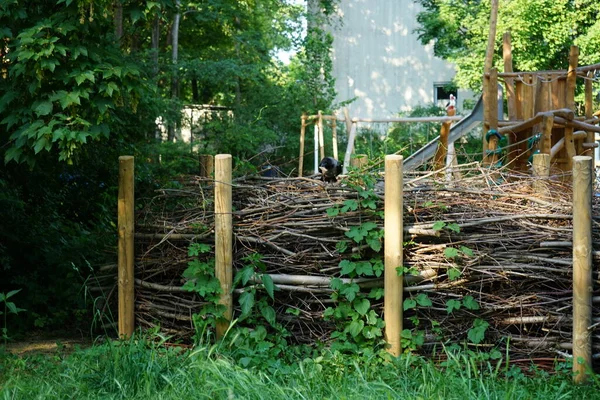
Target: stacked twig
{"points": [[519, 271]]}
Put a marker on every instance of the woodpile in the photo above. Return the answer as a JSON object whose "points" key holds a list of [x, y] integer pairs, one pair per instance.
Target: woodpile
{"points": [[513, 254]]}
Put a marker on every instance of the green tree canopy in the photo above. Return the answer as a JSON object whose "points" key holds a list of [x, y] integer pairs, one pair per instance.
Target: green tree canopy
{"points": [[542, 32]]}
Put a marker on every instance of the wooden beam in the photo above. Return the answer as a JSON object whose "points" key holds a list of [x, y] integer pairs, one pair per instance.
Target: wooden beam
{"points": [[393, 226], [302, 137], [224, 239], [321, 136], [489, 53], [589, 114], [126, 224], [570, 104], [582, 268]]}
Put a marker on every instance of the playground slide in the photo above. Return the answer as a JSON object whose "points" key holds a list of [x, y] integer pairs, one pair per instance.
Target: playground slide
{"points": [[457, 130]]}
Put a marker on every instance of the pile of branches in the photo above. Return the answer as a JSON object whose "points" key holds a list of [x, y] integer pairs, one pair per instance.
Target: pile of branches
{"points": [[516, 257]]}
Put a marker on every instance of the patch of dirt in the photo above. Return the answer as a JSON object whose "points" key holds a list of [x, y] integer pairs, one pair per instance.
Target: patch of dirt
{"points": [[47, 345]]}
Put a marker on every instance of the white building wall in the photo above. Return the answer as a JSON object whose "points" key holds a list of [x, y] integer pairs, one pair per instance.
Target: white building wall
{"points": [[378, 58]]}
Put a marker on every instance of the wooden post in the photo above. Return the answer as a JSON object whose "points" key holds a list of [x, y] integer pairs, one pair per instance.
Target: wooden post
{"points": [[511, 98], [541, 171], [359, 160], [316, 149], [570, 104], [439, 159], [321, 137], [546, 127], [491, 116], [223, 238], [334, 138], [302, 134], [582, 267], [489, 53], [126, 260], [206, 165], [350, 147], [589, 113], [393, 225]]}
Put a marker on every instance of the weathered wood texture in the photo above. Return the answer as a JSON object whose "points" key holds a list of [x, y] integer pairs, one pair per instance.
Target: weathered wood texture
{"points": [[582, 267], [393, 228], [126, 229], [224, 238]]}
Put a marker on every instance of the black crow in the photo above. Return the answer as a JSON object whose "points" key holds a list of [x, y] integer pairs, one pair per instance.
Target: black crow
{"points": [[330, 168]]}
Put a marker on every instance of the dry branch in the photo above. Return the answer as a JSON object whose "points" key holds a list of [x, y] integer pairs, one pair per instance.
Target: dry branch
{"points": [[520, 270]]}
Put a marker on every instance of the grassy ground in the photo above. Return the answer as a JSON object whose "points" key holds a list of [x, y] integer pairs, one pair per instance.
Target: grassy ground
{"points": [[144, 370]]}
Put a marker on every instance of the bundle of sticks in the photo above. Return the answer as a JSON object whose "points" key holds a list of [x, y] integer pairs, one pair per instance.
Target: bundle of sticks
{"points": [[513, 255]]}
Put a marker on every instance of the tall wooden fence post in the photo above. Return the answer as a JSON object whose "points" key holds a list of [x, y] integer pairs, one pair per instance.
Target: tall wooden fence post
{"points": [[393, 225], [126, 260], [302, 134], [541, 172], [321, 135], [582, 267], [359, 160], [223, 238]]}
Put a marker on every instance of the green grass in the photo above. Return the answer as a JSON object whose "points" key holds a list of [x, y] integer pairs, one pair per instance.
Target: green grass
{"points": [[146, 370]]}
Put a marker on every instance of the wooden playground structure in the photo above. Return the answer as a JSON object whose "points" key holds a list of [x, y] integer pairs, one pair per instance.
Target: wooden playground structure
{"points": [[542, 118], [542, 115]]}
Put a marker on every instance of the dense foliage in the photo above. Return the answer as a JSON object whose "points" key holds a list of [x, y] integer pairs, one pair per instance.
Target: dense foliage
{"points": [[542, 32], [83, 81]]}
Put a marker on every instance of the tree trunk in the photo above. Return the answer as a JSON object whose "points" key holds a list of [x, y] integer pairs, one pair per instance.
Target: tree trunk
{"points": [[118, 20], [174, 56], [155, 44]]}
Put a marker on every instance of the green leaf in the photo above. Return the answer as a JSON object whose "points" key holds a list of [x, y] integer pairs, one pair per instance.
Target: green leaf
{"points": [[10, 294], [370, 204], [269, 285], [336, 284], [246, 302], [341, 246], [347, 267], [409, 304], [40, 144], [439, 225], [367, 226], [12, 308], [296, 311], [364, 268], [43, 108], [269, 315], [244, 275], [374, 243], [376, 293], [13, 153], [477, 333], [87, 75], [466, 251], [450, 252], [356, 327], [196, 249], [453, 227], [452, 305], [470, 303], [362, 306], [423, 300], [351, 205], [454, 273], [350, 291], [333, 212]]}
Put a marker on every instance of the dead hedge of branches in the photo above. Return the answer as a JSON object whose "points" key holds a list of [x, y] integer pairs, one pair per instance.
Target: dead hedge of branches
{"points": [[518, 267]]}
